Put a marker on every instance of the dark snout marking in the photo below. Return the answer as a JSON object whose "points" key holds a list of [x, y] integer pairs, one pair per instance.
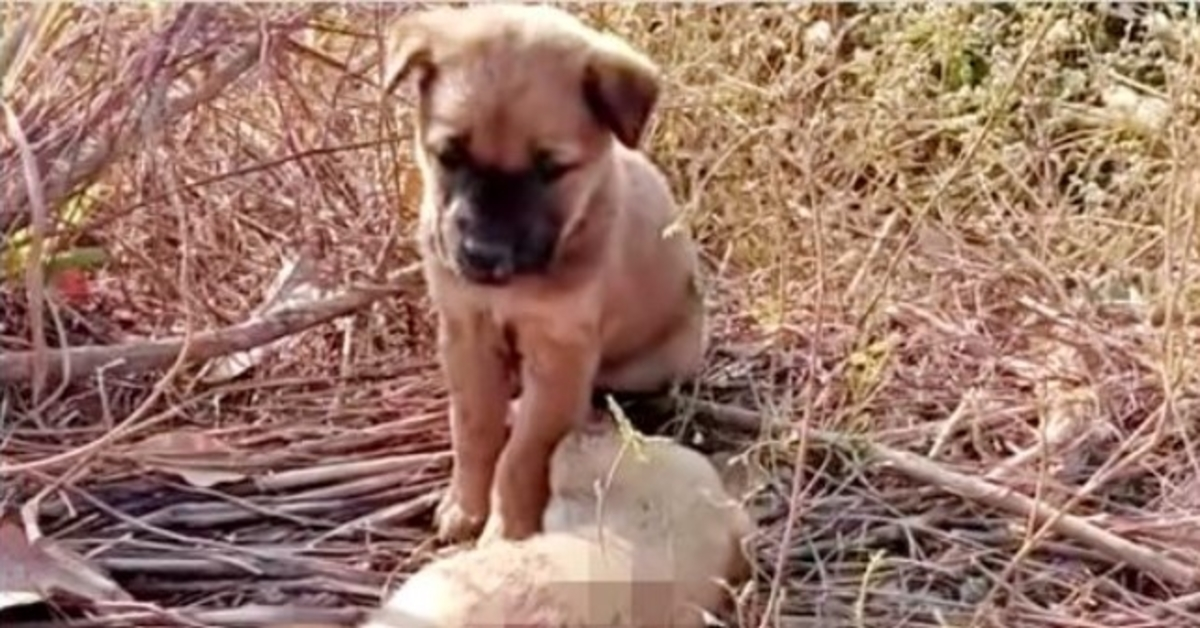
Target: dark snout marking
{"points": [[507, 223], [492, 258]]}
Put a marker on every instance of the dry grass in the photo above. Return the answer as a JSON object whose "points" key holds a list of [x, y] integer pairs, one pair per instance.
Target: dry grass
{"points": [[964, 232]]}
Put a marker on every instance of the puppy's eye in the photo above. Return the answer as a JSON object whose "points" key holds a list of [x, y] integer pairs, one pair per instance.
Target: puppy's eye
{"points": [[452, 154], [547, 168]]}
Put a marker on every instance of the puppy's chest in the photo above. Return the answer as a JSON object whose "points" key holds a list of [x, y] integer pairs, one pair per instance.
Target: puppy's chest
{"points": [[524, 324], [565, 316]]}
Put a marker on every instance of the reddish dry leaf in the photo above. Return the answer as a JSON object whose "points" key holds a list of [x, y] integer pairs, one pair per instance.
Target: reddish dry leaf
{"points": [[18, 583], [30, 573], [74, 286], [192, 444], [200, 459], [201, 477]]}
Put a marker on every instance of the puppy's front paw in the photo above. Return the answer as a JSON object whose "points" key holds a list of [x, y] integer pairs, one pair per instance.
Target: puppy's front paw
{"points": [[454, 523]]}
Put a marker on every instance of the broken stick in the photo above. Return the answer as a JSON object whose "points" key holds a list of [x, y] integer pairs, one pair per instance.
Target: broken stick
{"points": [[138, 357]]}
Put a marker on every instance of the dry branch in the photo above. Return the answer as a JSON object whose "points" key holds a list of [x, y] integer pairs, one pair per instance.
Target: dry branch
{"points": [[980, 490], [83, 361], [34, 272], [98, 153], [249, 615], [1111, 545]]}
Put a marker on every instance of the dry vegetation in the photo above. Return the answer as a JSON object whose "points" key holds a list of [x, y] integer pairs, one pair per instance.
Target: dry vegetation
{"points": [[951, 247]]}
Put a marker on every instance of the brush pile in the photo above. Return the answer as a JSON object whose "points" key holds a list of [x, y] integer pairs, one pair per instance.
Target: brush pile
{"points": [[955, 297]]}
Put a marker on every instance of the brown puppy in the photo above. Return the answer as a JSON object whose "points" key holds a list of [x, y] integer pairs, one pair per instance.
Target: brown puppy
{"points": [[542, 231], [636, 535]]}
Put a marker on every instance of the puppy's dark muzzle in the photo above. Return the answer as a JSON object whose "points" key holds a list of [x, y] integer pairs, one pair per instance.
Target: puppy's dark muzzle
{"points": [[486, 262], [506, 225]]}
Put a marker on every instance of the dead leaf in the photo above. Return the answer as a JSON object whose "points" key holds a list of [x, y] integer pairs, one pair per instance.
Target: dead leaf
{"points": [[1185, 497], [204, 478], [295, 285], [747, 481], [184, 443], [32, 572], [1139, 112], [1068, 404], [18, 573], [12, 599], [199, 458]]}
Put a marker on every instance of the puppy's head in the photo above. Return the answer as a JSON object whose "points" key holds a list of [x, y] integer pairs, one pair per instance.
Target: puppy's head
{"points": [[518, 107]]}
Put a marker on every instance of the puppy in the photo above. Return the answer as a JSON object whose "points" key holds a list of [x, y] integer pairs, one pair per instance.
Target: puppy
{"points": [[543, 235], [636, 535]]}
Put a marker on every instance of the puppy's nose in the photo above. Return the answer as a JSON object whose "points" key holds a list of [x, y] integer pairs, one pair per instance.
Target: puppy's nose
{"points": [[487, 258]]}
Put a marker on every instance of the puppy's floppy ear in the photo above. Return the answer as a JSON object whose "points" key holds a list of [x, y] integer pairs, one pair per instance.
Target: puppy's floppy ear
{"points": [[621, 87], [407, 48]]}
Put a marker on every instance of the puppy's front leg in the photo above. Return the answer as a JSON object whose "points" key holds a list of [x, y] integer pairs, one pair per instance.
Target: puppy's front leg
{"points": [[472, 360], [557, 372]]}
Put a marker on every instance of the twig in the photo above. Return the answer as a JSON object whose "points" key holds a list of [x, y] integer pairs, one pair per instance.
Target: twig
{"points": [[396, 512], [211, 344], [993, 115], [966, 407], [140, 357], [9, 47], [256, 615], [732, 417], [1188, 602], [35, 279], [250, 615], [1107, 543], [925, 470], [298, 616], [309, 476], [99, 154], [63, 343]]}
